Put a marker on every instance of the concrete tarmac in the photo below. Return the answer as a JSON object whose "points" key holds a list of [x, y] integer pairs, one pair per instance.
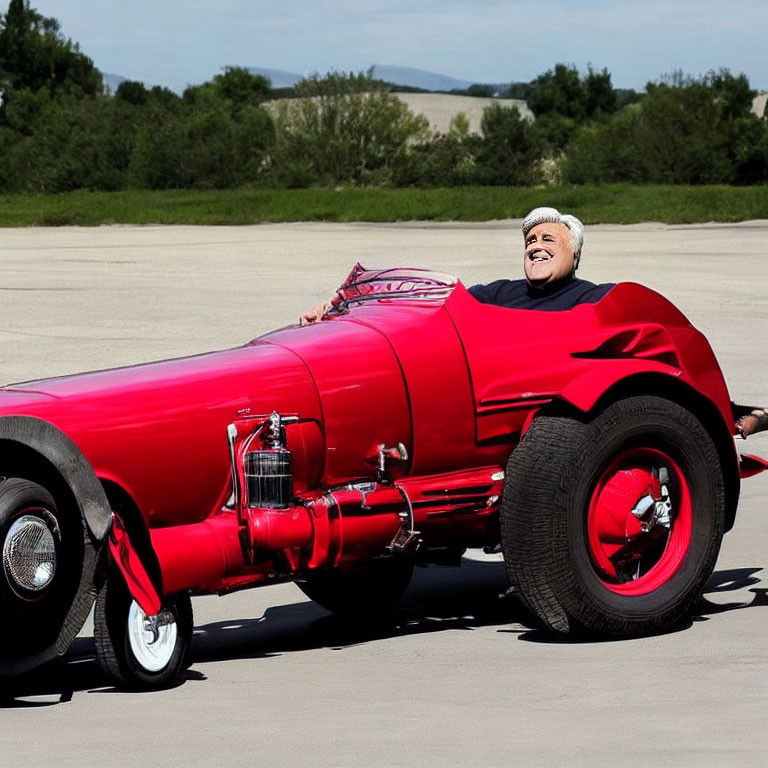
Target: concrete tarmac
{"points": [[457, 678]]}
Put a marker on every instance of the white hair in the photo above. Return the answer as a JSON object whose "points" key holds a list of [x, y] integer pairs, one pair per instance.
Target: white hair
{"points": [[552, 215]]}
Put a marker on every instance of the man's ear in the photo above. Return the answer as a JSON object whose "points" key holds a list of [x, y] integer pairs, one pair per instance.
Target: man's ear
{"points": [[576, 260]]}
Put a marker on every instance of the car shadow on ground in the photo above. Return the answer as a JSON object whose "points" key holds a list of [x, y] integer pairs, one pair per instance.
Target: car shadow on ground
{"points": [[731, 581], [439, 599]]}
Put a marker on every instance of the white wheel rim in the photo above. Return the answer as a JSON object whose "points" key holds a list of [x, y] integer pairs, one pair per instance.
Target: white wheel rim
{"points": [[152, 648]]}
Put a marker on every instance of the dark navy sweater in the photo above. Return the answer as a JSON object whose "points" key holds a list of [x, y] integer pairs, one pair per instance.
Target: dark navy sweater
{"points": [[517, 294]]}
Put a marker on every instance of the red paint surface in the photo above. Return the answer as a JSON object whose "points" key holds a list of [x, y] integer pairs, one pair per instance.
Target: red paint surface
{"points": [[454, 380]]}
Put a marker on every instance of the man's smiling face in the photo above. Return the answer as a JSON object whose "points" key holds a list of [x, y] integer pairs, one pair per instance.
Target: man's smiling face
{"points": [[548, 254]]}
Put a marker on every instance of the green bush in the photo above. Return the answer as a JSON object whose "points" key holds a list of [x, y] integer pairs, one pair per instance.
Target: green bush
{"points": [[509, 150], [685, 131], [201, 149], [446, 160], [65, 144], [343, 128]]}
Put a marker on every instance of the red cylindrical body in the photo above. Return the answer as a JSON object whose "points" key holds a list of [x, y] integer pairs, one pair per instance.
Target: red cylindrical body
{"points": [[274, 529], [198, 555]]}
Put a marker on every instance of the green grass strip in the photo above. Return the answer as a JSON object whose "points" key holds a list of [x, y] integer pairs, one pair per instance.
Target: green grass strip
{"points": [[615, 204]]}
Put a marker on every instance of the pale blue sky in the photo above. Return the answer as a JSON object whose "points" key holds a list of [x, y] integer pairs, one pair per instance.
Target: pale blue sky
{"points": [[180, 42]]}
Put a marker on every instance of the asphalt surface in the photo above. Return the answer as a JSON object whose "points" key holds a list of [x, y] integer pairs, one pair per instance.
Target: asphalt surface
{"points": [[456, 678]]}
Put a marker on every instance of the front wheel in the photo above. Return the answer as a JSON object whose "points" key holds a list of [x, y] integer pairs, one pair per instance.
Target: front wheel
{"points": [[140, 651], [613, 526]]}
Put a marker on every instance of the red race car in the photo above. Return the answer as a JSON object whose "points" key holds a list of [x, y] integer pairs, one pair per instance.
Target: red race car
{"points": [[594, 446]]}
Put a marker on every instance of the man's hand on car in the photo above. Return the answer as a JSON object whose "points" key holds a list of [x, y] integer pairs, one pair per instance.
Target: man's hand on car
{"points": [[314, 315]]}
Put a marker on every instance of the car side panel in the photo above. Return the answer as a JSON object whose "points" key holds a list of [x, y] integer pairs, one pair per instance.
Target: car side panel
{"points": [[362, 392], [159, 430], [435, 370]]}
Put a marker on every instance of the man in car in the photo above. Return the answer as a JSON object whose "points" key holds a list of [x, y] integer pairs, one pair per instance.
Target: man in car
{"points": [[552, 249]]}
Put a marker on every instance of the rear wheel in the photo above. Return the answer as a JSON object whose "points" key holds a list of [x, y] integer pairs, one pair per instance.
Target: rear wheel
{"points": [[42, 562], [366, 590], [613, 526], [138, 651]]}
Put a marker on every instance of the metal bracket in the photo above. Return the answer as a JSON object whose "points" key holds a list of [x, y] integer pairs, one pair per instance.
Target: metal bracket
{"points": [[389, 453], [153, 623], [405, 541], [407, 538]]}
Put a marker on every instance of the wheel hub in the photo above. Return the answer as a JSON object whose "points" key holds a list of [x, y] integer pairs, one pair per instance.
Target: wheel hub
{"points": [[652, 511], [632, 521], [29, 555], [152, 638]]}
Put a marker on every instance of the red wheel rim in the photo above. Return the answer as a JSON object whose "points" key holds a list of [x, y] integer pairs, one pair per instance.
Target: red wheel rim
{"points": [[639, 527]]}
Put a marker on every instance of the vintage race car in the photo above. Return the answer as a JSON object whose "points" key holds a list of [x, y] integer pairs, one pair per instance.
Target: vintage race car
{"points": [[593, 446]]}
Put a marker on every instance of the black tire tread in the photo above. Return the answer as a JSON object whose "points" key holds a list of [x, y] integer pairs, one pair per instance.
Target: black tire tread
{"points": [[103, 641], [526, 537]]}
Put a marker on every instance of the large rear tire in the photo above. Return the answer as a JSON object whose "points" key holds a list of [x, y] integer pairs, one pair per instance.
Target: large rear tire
{"points": [[612, 527]]}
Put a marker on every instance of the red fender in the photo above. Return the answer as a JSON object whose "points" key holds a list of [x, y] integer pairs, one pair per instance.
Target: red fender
{"points": [[583, 392]]}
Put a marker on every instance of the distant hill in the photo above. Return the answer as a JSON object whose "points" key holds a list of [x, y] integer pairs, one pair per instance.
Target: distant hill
{"points": [[278, 77], [419, 78], [406, 76]]}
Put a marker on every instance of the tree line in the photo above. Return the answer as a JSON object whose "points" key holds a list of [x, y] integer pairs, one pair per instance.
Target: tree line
{"points": [[61, 130]]}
